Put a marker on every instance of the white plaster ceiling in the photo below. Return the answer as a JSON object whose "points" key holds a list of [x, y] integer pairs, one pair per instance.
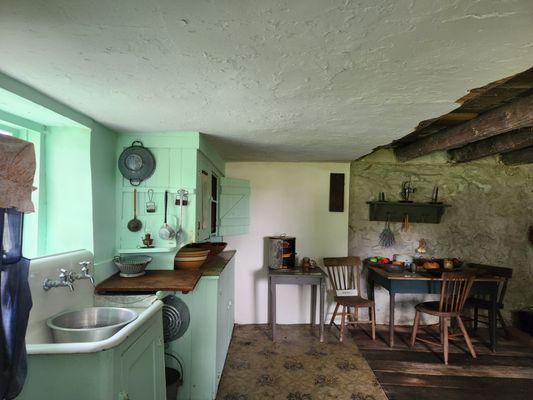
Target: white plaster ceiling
{"points": [[269, 80]]}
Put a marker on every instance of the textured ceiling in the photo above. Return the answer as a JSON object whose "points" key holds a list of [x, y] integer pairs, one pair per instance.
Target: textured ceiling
{"points": [[269, 80]]}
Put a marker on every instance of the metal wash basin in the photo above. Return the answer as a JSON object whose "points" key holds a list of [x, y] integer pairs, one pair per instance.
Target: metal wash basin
{"points": [[90, 324]]}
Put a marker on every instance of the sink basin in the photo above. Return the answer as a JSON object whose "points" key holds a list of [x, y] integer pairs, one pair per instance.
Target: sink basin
{"points": [[90, 324]]}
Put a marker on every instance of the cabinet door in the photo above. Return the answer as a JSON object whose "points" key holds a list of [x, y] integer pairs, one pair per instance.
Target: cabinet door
{"points": [[143, 367], [234, 206]]}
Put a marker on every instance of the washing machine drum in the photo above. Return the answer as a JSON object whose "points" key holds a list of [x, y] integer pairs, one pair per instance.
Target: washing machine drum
{"points": [[176, 318]]}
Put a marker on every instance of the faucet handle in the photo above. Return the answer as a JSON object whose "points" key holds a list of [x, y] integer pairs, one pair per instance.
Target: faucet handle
{"points": [[86, 271], [66, 277]]}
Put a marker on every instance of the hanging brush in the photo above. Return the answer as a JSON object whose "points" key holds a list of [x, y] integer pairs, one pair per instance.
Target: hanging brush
{"points": [[386, 237]]}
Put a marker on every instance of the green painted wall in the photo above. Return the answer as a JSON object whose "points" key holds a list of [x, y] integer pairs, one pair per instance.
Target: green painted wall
{"points": [[69, 220], [103, 166]]}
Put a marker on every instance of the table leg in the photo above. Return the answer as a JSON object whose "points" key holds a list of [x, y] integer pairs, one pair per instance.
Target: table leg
{"points": [[313, 305], [273, 309], [391, 318], [321, 311], [370, 287], [493, 323], [269, 305]]}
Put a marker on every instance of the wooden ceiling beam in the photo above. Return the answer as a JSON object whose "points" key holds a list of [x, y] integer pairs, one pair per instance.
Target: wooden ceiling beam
{"points": [[522, 156], [512, 116], [503, 143]]}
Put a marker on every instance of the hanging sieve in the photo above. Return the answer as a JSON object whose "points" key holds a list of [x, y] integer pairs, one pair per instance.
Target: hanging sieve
{"points": [[136, 163]]}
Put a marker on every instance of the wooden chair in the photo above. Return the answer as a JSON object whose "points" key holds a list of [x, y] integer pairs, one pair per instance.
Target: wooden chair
{"points": [[478, 302], [454, 292], [344, 275]]}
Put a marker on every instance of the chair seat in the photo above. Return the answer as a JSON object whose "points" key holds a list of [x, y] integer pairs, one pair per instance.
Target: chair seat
{"points": [[432, 307], [353, 301]]}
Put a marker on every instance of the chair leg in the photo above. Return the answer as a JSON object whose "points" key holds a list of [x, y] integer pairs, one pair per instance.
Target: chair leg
{"points": [[343, 323], [372, 311], [334, 314], [476, 317], [503, 323], [441, 331], [445, 339], [467, 338], [415, 328]]}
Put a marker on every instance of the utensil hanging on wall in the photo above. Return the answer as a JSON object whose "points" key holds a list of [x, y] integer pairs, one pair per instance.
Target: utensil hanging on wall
{"points": [[179, 234], [150, 204], [386, 238], [136, 163], [135, 225], [166, 232], [406, 225]]}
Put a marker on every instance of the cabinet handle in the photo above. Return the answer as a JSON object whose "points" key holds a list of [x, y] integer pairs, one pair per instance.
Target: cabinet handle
{"points": [[229, 304]]}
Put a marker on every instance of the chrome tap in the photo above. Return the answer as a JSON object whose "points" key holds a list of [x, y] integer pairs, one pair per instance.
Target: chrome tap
{"points": [[65, 280], [85, 272]]}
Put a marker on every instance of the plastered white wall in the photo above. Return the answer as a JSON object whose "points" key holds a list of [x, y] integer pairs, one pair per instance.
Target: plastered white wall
{"points": [[291, 198]]}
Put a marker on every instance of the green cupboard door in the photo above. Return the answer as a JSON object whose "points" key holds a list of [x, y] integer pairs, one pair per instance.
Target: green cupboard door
{"points": [[143, 367], [234, 206]]}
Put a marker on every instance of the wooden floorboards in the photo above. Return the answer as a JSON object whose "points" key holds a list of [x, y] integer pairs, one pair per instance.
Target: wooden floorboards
{"points": [[420, 374]]}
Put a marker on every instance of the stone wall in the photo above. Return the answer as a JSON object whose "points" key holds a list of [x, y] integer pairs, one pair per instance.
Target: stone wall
{"points": [[491, 210]]}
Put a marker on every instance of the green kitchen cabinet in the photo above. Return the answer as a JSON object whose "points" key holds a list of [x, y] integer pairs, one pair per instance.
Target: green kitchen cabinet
{"points": [[141, 372], [207, 200], [133, 370], [203, 349]]}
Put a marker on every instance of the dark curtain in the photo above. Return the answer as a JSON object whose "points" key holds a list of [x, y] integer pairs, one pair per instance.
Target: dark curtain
{"points": [[15, 304]]}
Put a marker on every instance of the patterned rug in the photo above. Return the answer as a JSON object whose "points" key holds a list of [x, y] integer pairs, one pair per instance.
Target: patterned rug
{"points": [[296, 367]]}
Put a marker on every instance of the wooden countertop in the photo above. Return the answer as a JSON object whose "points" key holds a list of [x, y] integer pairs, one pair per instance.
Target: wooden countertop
{"points": [[179, 280]]}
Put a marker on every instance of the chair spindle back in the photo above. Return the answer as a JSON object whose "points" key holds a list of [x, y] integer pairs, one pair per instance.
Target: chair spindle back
{"points": [[504, 273], [454, 291], [344, 273]]}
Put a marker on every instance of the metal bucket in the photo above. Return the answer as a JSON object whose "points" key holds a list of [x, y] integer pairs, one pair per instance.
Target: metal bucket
{"points": [[173, 382]]}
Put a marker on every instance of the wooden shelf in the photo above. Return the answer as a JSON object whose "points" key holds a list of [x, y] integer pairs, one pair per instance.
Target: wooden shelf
{"points": [[395, 211], [142, 250]]}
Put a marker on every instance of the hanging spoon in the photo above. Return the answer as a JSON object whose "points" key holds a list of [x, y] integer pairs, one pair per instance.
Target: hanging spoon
{"points": [[135, 224]]}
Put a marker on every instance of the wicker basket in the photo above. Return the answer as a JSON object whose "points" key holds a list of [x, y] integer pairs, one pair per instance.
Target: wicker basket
{"points": [[132, 266]]}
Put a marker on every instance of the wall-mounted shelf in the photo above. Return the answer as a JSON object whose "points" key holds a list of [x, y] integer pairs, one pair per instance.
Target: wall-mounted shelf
{"points": [[143, 250], [395, 211]]}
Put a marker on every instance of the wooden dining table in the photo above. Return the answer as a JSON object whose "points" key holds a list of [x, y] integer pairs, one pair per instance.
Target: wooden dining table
{"points": [[425, 283]]}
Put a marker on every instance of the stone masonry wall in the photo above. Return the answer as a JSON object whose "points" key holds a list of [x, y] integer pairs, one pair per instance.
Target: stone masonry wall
{"points": [[491, 210]]}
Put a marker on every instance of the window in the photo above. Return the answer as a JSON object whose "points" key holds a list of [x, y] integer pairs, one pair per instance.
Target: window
{"points": [[62, 220]]}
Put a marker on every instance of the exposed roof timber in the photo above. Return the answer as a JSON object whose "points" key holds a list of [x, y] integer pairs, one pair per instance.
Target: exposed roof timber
{"points": [[503, 143], [522, 156], [476, 102], [516, 115]]}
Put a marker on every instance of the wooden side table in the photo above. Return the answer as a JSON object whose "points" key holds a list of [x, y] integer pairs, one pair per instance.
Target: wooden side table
{"points": [[316, 278]]}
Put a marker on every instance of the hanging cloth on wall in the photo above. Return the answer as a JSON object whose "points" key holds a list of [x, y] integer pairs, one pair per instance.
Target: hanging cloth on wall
{"points": [[17, 168]]}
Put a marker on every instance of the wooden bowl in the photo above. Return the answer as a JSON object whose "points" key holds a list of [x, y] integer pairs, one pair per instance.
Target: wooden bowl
{"points": [[214, 247], [190, 258]]}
